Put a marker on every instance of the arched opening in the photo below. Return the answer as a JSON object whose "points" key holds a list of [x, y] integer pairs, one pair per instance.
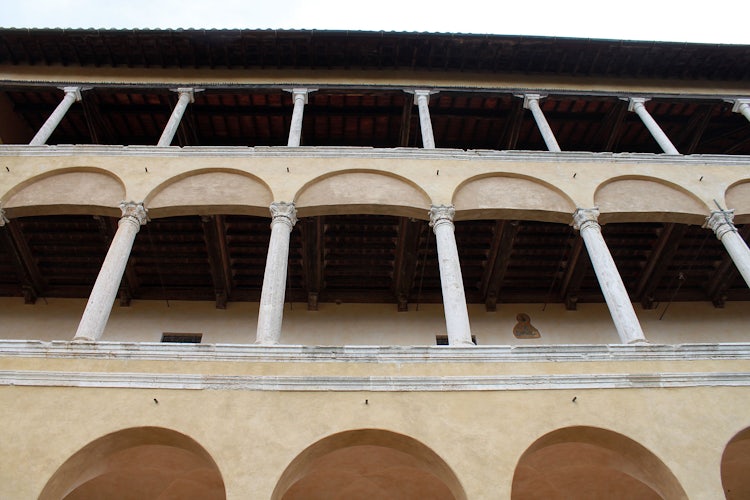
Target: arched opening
{"points": [[138, 463], [588, 463], [368, 463], [735, 463]]}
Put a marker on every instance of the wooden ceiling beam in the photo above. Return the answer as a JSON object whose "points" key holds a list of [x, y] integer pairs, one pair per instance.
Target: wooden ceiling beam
{"points": [[614, 125], [214, 234], [33, 284], [512, 129], [405, 264], [406, 119], [312, 234], [576, 268], [498, 259], [658, 263], [691, 136]]}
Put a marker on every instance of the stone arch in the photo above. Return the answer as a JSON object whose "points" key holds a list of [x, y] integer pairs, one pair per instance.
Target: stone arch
{"points": [[144, 462], [81, 190], [647, 199], [590, 462], [735, 462], [738, 198], [511, 196], [362, 192], [210, 191], [368, 463]]}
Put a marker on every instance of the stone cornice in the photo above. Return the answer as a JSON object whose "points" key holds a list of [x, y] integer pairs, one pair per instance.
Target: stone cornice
{"points": [[10, 150], [373, 354], [370, 383]]}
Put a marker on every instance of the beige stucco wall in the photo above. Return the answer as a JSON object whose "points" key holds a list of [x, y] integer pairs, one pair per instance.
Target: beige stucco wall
{"points": [[373, 324], [254, 435]]}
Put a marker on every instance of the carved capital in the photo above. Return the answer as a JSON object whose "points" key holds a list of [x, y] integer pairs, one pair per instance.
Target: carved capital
{"points": [[300, 93], [134, 212], [739, 104], [284, 212], [720, 222], [586, 217], [76, 91], [422, 94], [441, 214], [189, 91], [3, 218], [527, 98], [635, 102]]}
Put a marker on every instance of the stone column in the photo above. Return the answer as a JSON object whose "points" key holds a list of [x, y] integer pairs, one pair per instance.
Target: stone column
{"points": [[454, 299], [187, 95], [636, 104], [425, 124], [271, 313], [103, 295], [620, 307], [531, 101], [721, 223], [742, 106], [72, 94], [295, 129], [3, 218]]}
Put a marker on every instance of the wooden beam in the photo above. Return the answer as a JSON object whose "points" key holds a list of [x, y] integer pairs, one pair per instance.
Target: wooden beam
{"points": [[214, 234], [33, 284], [615, 123], [576, 268], [512, 129], [312, 234], [406, 118], [498, 259], [405, 265], [694, 130], [99, 126], [658, 263]]}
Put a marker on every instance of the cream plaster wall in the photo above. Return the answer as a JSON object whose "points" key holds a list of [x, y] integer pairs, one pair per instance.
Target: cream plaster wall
{"points": [[373, 324], [253, 436], [438, 177]]}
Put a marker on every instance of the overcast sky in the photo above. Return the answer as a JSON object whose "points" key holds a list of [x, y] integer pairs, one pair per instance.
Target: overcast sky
{"points": [[717, 21]]}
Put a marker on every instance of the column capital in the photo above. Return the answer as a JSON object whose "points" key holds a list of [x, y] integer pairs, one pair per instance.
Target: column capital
{"points": [[585, 217], [76, 91], [134, 211], [3, 219], [300, 93], [739, 103], [281, 211], [426, 93], [634, 102], [527, 98], [189, 91], [440, 214], [721, 222]]}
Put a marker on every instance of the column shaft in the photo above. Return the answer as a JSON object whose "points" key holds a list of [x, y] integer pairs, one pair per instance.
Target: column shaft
{"points": [[186, 96], [637, 105], [454, 299], [295, 129], [72, 94], [618, 302], [531, 101], [103, 294], [721, 223], [425, 124], [271, 311]]}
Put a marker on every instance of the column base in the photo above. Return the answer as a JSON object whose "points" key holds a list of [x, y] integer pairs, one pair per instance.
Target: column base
{"points": [[80, 340]]}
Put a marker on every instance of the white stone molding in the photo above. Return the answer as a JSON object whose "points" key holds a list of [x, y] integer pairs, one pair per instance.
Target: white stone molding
{"points": [[451, 281], [186, 95], [422, 98], [300, 97], [318, 383], [637, 105], [531, 101], [99, 305], [620, 308], [741, 106], [721, 223], [72, 94], [271, 312]]}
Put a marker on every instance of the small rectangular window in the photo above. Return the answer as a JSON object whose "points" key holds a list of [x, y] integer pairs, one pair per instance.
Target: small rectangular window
{"points": [[182, 338], [443, 339]]}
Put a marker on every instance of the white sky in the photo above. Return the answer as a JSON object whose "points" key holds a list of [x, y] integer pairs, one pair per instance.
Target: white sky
{"points": [[716, 21]]}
